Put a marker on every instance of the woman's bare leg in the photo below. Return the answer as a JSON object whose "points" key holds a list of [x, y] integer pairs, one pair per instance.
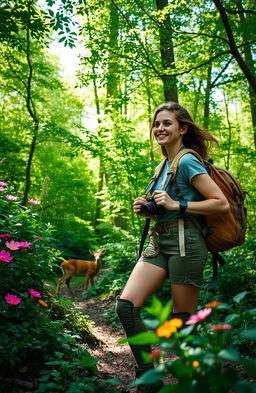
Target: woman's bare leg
{"points": [[185, 298], [144, 280]]}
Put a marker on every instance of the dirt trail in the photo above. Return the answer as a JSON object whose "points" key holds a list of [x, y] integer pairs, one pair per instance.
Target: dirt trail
{"points": [[114, 360]]}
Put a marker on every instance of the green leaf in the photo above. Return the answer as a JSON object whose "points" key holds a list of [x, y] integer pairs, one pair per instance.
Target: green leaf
{"points": [[151, 376], [151, 323], [250, 334], [231, 317], [245, 387], [165, 313], [250, 365], [114, 381], [141, 339], [230, 354], [155, 308], [238, 298]]}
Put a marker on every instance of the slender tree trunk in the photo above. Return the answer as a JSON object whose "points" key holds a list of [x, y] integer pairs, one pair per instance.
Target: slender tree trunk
{"points": [[207, 97], [167, 54], [249, 74], [197, 99], [250, 62], [32, 111], [113, 65], [227, 158]]}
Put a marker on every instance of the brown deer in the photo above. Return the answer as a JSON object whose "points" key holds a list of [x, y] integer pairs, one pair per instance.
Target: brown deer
{"points": [[77, 267]]}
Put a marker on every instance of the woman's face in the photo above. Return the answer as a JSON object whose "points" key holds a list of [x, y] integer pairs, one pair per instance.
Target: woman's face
{"points": [[167, 130]]}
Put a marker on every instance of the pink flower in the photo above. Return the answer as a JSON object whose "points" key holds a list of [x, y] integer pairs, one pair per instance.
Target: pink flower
{"points": [[24, 244], [155, 354], [12, 299], [50, 294], [2, 188], [200, 316], [224, 326], [34, 293], [3, 183], [5, 256], [6, 235], [12, 245], [38, 238], [11, 197], [33, 202]]}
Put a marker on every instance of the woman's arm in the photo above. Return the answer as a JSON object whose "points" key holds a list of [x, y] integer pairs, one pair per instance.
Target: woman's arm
{"points": [[215, 201]]}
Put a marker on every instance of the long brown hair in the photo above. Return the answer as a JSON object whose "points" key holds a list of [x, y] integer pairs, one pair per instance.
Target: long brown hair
{"points": [[195, 138]]}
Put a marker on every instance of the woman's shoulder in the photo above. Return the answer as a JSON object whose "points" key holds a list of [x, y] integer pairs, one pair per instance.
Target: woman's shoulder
{"points": [[189, 159]]}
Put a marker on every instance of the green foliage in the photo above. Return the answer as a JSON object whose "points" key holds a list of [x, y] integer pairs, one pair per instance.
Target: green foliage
{"points": [[208, 360], [238, 272], [39, 335], [119, 259]]}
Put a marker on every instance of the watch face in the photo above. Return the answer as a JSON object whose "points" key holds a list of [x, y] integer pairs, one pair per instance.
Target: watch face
{"points": [[183, 204]]}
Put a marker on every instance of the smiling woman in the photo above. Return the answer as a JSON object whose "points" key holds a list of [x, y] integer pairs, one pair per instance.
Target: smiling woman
{"points": [[177, 249]]}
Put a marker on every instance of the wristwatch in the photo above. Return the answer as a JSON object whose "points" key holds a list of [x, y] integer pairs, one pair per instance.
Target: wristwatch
{"points": [[183, 206]]}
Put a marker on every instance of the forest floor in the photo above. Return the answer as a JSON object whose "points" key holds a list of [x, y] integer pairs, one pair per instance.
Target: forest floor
{"points": [[113, 360]]}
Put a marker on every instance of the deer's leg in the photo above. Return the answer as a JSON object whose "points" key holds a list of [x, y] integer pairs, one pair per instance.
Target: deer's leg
{"points": [[92, 280], [68, 285], [60, 283], [86, 283]]}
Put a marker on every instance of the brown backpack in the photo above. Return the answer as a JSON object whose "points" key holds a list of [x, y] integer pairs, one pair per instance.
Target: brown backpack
{"points": [[225, 231]]}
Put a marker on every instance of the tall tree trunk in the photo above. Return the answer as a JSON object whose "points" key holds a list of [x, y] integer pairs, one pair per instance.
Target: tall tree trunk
{"points": [[227, 156], [32, 111], [207, 97], [249, 74], [113, 64], [197, 99], [250, 62], [97, 213], [167, 54]]}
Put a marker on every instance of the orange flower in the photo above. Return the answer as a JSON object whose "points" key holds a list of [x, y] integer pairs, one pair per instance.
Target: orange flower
{"points": [[169, 327], [195, 364], [42, 303], [212, 304]]}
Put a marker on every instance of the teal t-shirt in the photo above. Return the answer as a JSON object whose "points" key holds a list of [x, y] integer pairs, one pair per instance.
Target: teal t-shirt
{"points": [[189, 166]]}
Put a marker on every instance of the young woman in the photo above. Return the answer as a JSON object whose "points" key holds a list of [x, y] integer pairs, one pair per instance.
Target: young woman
{"points": [[174, 130]]}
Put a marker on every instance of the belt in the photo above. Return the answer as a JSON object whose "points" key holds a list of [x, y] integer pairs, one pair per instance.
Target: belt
{"points": [[159, 228]]}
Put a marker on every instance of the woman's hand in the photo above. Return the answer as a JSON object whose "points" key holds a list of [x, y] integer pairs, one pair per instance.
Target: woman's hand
{"points": [[163, 199], [138, 203]]}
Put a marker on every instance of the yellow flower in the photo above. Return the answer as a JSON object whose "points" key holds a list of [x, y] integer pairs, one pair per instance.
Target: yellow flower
{"points": [[169, 327], [195, 364]]}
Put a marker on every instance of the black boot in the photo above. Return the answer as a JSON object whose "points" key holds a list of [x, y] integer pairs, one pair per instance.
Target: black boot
{"points": [[132, 323], [152, 388]]}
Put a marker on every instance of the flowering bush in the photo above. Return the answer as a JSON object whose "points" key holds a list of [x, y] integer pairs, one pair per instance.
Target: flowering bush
{"points": [[25, 263], [204, 360], [33, 341]]}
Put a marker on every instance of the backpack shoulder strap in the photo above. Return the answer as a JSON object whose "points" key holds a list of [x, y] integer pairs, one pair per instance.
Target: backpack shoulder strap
{"points": [[175, 163], [158, 170]]}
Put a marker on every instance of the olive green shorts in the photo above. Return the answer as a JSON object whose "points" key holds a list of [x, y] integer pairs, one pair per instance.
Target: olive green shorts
{"points": [[163, 251]]}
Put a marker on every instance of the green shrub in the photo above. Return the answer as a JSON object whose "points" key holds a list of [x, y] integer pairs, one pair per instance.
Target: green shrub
{"points": [[207, 361], [39, 335]]}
